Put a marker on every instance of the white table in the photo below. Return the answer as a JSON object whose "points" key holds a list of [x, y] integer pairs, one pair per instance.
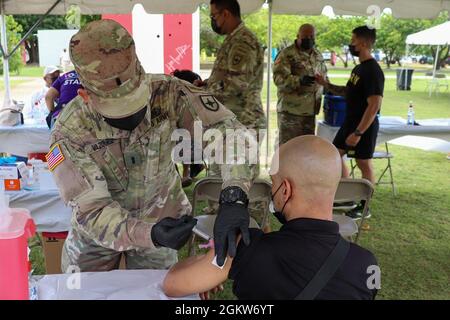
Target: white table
{"points": [[24, 139], [113, 285], [46, 206], [396, 127]]}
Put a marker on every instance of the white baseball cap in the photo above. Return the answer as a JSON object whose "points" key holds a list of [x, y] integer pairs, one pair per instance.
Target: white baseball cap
{"points": [[50, 69]]}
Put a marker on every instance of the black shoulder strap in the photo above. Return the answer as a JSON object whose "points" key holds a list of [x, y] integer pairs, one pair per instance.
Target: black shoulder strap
{"points": [[326, 271]]}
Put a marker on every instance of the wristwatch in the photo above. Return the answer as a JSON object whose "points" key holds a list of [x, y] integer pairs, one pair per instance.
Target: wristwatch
{"points": [[358, 133], [233, 194]]}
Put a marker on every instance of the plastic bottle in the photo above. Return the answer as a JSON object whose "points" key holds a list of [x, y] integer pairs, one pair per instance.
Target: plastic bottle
{"points": [[410, 114], [33, 181], [16, 227]]}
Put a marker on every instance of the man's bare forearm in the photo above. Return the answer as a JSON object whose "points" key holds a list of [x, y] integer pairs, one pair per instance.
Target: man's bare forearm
{"points": [[374, 104], [336, 90]]}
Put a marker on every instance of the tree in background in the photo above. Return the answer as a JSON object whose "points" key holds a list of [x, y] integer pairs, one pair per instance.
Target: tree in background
{"points": [[392, 35], [51, 22], [337, 36], [210, 41], [13, 30]]}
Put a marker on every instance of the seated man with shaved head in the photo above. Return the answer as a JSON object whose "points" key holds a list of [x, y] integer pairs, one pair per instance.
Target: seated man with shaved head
{"points": [[305, 174]]}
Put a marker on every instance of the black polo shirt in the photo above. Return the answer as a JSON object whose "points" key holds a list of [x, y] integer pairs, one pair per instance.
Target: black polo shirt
{"points": [[278, 265]]}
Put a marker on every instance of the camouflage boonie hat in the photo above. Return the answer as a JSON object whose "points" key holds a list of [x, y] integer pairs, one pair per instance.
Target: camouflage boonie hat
{"points": [[104, 56]]}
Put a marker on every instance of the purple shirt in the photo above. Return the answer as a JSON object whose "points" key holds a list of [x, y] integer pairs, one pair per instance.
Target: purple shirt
{"points": [[67, 86]]}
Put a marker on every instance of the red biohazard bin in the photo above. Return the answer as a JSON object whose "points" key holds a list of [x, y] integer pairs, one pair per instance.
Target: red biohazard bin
{"points": [[37, 156], [16, 227]]}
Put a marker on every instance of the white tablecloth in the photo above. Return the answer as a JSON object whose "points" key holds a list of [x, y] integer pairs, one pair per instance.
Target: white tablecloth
{"points": [[46, 206], [113, 285], [395, 127], [23, 139]]}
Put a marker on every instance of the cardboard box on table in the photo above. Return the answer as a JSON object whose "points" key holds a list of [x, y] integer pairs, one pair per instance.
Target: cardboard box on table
{"points": [[52, 245], [11, 175]]}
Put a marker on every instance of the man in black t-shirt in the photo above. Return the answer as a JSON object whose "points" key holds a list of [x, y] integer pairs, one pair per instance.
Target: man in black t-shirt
{"points": [[364, 94], [305, 174]]}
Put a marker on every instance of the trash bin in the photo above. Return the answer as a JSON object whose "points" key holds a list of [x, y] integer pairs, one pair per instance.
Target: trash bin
{"points": [[334, 109], [404, 79]]}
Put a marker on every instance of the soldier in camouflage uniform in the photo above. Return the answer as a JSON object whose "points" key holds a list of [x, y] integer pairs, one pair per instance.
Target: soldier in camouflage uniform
{"points": [[237, 76], [111, 157], [299, 97]]}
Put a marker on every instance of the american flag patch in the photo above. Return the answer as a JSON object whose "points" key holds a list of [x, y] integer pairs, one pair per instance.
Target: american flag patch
{"points": [[54, 157]]}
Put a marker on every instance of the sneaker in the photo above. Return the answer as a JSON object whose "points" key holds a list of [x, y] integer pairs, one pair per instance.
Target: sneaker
{"points": [[196, 169], [356, 214]]}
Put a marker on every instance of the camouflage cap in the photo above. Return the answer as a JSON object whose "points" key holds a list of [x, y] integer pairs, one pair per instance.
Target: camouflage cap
{"points": [[104, 56]]}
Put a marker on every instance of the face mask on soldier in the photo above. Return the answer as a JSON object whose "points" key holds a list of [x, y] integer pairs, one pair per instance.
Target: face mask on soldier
{"points": [[307, 43], [214, 25], [129, 123]]}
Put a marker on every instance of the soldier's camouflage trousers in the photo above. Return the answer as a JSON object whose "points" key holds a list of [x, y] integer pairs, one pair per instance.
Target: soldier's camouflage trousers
{"points": [[82, 254], [256, 209], [291, 126]]}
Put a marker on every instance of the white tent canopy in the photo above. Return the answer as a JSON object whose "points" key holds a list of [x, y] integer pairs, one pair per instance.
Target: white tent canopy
{"points": [[437, 35], [400, 8]]}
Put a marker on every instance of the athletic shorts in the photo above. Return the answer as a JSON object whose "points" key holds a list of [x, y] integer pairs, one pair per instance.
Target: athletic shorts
{"points": [[365, 147]]}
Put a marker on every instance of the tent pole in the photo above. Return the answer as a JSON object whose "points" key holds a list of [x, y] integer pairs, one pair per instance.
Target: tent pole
{"points": [[269, 78], [406, 69], [4, 45], [37, 24], [436, 61]]}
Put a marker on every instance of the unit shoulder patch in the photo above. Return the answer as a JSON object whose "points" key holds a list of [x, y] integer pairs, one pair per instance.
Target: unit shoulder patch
{"points": [[210, 102]]}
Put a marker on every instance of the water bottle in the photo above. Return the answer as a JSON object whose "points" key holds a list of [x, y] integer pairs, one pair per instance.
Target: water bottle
{"points": [[410, 114]]}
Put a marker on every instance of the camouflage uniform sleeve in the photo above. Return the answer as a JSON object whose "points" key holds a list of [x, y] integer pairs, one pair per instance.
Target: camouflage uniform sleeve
{"points": [[83, 186], [240, 65], [282, 75], [194, 104]]}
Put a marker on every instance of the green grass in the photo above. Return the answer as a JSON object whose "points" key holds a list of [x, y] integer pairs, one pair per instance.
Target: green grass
{"points": [[28, 71], [13, 82], [395, 103], [31, 71], [410, 233]]}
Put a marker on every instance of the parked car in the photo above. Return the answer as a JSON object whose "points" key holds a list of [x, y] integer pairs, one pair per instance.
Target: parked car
{"points": [[426, 60]]}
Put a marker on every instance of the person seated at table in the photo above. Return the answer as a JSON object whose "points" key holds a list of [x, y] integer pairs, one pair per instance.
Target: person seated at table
{"points": [[36, 109], [280, 264], [192, 170], [63, 90]]}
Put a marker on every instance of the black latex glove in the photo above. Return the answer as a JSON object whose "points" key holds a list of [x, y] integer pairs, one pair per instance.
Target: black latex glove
{"points": [[173, 233], [307, 81], [231, 220]]}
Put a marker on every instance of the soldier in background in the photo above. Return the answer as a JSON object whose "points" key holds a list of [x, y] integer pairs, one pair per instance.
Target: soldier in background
{"points": [[111, 159], [237, 77], [299, 97]]}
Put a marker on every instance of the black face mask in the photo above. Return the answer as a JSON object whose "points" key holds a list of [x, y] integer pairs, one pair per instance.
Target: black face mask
{"points": [[308, 43], [215, 27], [129, 123], [278, 214], [353, 51]]}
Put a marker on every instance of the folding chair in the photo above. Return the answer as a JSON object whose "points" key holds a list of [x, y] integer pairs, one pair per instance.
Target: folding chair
{"points": [[351, 190], [385, 154], [210, 188]]}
